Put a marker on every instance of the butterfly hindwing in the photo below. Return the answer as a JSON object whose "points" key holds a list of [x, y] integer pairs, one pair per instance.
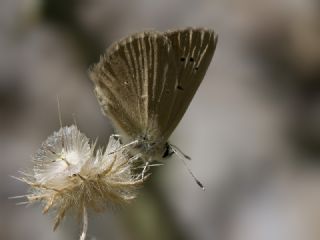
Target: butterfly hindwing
{"points": [[194, 49]]}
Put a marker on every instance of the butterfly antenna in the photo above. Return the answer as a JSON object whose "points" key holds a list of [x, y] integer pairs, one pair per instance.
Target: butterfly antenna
{"points": [[179, 153]]}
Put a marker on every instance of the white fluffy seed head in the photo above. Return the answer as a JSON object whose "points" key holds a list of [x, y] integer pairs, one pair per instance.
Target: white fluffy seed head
{"points": [[60, 156], [69, 175]]}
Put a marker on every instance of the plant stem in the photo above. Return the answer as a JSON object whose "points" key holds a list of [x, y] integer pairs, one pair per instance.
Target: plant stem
{"points": [[85, 224]]}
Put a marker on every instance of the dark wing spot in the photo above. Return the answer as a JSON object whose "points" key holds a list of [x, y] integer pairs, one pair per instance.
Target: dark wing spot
{"points": [[196, 68], [180, 87], [191, 59], [182, 59]]}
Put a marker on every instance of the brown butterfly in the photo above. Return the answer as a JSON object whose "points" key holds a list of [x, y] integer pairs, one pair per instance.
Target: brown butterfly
{"points": [[146, 81]]}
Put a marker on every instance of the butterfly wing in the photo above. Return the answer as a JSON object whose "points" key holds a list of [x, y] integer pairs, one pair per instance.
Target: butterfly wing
{"points": [[134, 82], [146, 81], [194, 49]]}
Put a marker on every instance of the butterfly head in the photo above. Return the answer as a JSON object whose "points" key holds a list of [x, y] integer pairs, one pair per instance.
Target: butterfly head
{"points": [[152, 149], [167, 151]]}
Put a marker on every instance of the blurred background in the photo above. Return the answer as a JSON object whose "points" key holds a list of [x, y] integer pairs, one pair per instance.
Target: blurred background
{"points": [[252, 129]]}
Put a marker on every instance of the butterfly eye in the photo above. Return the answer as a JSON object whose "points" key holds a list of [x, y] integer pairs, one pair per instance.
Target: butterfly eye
{"points": [[168, 151]]}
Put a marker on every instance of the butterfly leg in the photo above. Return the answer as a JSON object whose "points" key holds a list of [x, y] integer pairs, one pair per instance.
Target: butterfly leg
{"points": [[135, 157], [145, 169], [125, 146], [115, 135]]}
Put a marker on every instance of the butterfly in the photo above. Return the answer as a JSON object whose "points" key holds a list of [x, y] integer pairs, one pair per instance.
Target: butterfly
{"points": [[146, 81]]}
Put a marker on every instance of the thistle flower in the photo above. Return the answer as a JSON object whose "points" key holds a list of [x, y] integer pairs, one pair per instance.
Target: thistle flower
{"points": [[69, 175]]}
